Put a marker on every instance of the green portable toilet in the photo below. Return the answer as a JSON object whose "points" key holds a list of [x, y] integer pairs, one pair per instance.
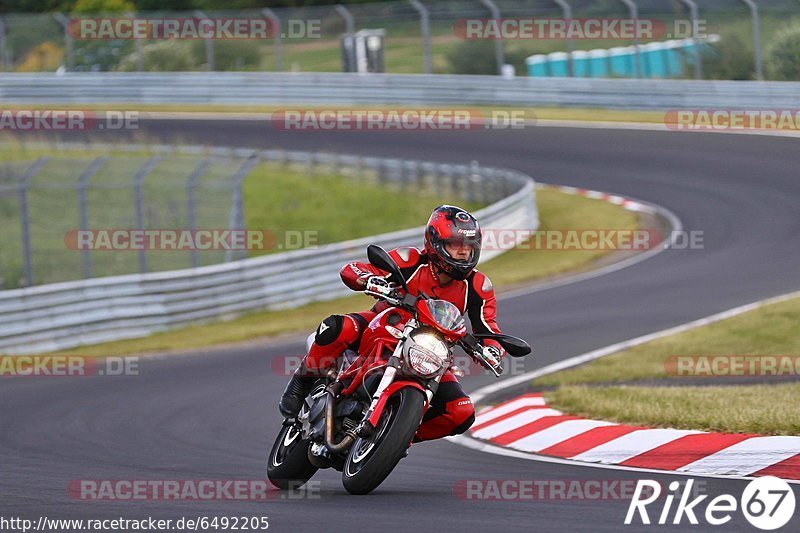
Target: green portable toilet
{"points": [[621, 61], [557, 64], [537, 66], [598, 63]]}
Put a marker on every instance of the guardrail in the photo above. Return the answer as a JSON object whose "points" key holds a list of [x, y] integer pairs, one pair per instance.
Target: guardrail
{"points": [[63, 315], [406, 89]]}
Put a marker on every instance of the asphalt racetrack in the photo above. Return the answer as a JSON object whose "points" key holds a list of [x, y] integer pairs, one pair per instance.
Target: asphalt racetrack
{"points": [[214, 415]]}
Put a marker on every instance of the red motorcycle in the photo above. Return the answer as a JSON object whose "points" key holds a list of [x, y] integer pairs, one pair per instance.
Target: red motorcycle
{"points": [[362, 418]]}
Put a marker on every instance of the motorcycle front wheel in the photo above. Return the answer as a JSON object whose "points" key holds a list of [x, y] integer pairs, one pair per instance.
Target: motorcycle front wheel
{"points": [[288, 466], [372, 459]]}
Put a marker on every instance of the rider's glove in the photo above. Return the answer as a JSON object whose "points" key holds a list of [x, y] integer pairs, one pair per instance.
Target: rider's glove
{"points": [[380, 285], [493, 357]]}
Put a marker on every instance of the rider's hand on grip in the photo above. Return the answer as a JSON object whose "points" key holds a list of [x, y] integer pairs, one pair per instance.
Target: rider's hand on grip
{"points": [[380, 285], [493, 358]]}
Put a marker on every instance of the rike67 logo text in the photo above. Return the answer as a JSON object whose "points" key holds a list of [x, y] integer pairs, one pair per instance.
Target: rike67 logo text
{"points": [[767, 503]]}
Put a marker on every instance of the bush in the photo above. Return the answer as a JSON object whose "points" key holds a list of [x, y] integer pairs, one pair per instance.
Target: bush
{"points": [[47, 56], [732, 58], [782, 56], [230, 55], [473, 57], [163, 56]]}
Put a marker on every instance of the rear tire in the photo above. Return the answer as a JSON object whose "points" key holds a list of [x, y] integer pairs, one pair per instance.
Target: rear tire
{"points": [[288, 467], [371, 460]]}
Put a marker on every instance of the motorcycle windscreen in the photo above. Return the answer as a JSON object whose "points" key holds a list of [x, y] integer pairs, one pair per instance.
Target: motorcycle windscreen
{"points": [[445, 314]]}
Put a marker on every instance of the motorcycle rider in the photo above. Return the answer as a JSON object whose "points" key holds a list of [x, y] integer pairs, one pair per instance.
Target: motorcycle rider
{"points": [[445, 270]]}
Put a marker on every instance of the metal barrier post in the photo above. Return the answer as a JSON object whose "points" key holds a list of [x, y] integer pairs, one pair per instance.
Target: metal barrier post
{"points": [[756, 38], [191, 206], [633, 10], [567, 11], [237, 207], [209, 44], [64, 21], [3, 57], [698, 65], [22, 195], [270, 14], [425, 29], [138, 181], [83, 214], [498, 43]]}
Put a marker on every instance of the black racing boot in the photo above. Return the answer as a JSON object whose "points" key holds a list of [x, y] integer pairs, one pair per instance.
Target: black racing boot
{"points": [[296, 391]]}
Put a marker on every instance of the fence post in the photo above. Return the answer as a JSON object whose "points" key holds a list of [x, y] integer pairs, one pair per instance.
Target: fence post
{"points": [[276, 27], [698, 65], [633, 10], [138, 181], [191, 206], [22, 195], [209, 44], [756, 38], [64, 21], [237, 207], [498, 43], [83, 214], [567, 11], [3, 57], [350, 25], [425, 29]]}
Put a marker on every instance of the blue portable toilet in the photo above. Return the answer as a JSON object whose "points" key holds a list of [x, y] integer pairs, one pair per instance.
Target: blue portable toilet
{"points": [[580, 63], [621, 61], [537, 66], [557, 64], [654, 60], [674, 59], [598, 63]]}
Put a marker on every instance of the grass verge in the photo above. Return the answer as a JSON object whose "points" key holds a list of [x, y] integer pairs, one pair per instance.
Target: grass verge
{"points": [[557, 210], [767, 408]]}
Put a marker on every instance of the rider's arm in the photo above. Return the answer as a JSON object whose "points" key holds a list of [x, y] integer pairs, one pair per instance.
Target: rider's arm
{"points": [[482, 308], [355, 273]]}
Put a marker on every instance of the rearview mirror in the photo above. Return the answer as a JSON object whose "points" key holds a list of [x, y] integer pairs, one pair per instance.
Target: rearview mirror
{"points": [[514, 346], [380, 258]]}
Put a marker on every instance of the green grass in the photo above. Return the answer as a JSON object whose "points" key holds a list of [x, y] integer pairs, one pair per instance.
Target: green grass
{"points": [[763, 408], [769, 330], [558, 210], [283, 201]]}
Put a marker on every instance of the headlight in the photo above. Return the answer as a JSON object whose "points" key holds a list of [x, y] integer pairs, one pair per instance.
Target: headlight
{"points": [[427, 354]]}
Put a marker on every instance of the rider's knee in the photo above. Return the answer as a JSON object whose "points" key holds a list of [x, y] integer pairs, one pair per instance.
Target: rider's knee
{"points": [[465, 425], [329, 330]]}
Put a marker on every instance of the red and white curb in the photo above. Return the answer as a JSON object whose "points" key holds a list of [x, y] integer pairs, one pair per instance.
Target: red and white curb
{"points": [[625, 203], [528, 425]]}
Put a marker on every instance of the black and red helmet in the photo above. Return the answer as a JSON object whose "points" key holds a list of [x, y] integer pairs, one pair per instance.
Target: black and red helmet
{"points": [[452, 225]]}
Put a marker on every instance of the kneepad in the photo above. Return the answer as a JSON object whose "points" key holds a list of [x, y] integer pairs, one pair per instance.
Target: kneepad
{"points": [[329, 330]]}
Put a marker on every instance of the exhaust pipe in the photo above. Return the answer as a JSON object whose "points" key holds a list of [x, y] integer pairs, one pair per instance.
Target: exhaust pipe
{"points": [[347, 441]]}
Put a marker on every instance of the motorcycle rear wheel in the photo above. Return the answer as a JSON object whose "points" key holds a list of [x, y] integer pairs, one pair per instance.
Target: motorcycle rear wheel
{"points": [[371, 460]]}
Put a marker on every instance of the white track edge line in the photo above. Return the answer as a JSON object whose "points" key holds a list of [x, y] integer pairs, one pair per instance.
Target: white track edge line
{"points": [[483, 392]]}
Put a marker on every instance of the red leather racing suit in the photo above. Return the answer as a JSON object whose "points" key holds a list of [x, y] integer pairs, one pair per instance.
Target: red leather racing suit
{"points": [[451, 411]]}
